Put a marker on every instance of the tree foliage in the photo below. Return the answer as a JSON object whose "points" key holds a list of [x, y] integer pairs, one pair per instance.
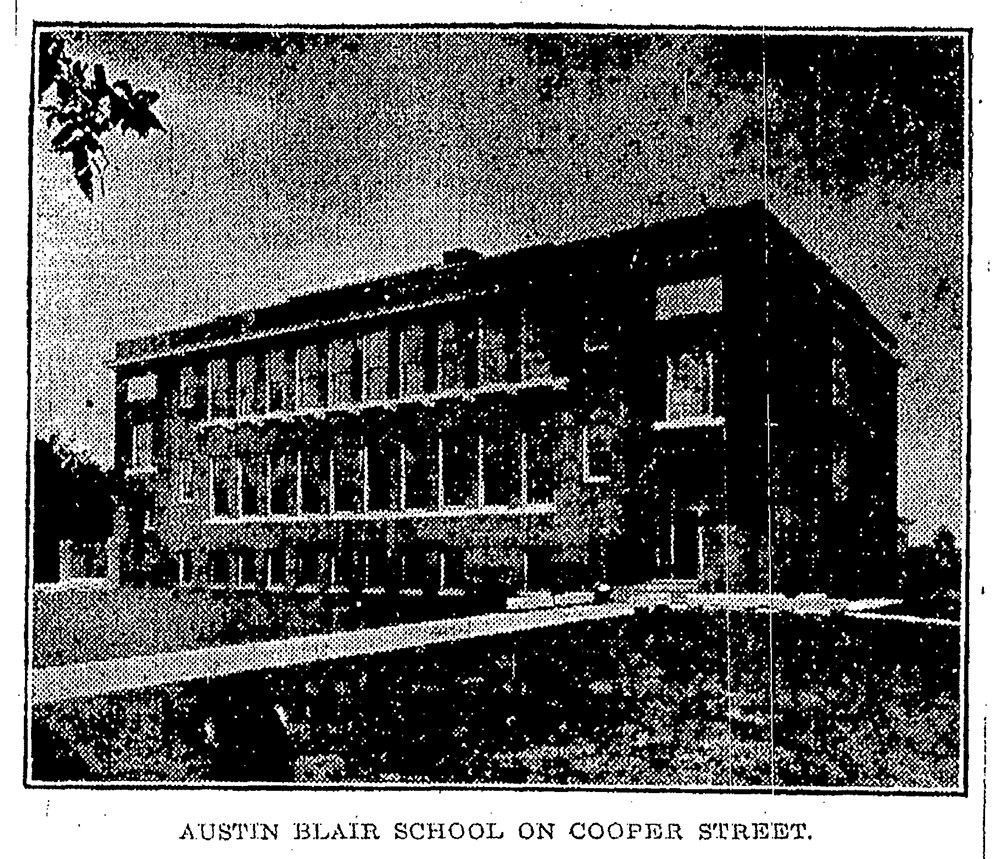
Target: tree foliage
{"points": [[846, 110], [74, 499], [82, 106]]}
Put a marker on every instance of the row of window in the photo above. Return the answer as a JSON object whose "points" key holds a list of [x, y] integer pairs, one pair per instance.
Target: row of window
{"points": [[322, 567], [377, 366], [505, 468]]}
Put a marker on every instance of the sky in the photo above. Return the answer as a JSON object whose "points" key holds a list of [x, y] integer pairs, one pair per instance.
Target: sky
{"points": [[298, 162]]}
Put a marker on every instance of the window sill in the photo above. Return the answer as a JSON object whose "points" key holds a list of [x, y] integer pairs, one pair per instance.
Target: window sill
{"points": [[685, 423], [140, 471], [554, 382], [374, 516], [451, 592]]}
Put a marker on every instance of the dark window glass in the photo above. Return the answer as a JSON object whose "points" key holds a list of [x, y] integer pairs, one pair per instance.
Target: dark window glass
{"points": [[248, 571], [219, 568], [250, 385], [459, 466], [316, 481], [277, 568], [383, 475], [598, 459], [421, 571], [537, 351], [342, 363], [540, 463], [348, 476], [223, 487], [284, 484], [453, 572], [501, 465], [420, 461], [253, 487]]}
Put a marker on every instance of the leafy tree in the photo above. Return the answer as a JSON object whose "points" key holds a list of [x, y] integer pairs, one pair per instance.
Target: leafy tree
{"points": [[83, 106], [843, 111], [74, 499]]}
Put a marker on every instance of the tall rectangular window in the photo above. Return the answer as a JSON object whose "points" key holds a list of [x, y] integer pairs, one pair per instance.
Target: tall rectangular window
{"points": [[250, 385], [459, 468], [185, 564], [188, 387], [839, 373], [186, 481], [597, 456], [222, 402], [315, 569], [449, 368], [493, 353], [536, 342], [223, 487], [453, 572], [540, 477], [348, 476], [219, 568], [412, 361], [383, 475], [421, 570], [313, 379], [280, 380], [420, 465], [253, 486], [689, 386], [284, 484], [342, 363], [248, 571], [375, 365], [315, 481], [142, 445], [277, 567], [501, 465]]}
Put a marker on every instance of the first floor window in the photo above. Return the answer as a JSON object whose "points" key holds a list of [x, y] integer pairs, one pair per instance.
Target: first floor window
{"points": [[248, 571], [219, 568], [597, 458], [190, 383], [223, 487], [315, 481], [501, 468], [493, 353], [253, 486], [453, 573], [348, 476], [277, 567], [421, 570], [459, 467], [420, 466], [539, 455], [536, 341], [316, 572], [383, 475], [284, 484]]}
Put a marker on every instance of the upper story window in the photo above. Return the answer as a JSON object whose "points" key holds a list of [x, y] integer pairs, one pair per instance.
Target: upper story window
{"points": [[141, 388], [221, 397], [493, 353], [690, 379], [315, 469], [449, 356], [342, 363], [190, 383], [312, 377], [375, 365], [280, 380], [540, 472], [420, 471], [501, 464], [251, 385], [284, 484], [536, 340], [459, 468], [142, 445], [223, 487], [253, 486], [412, 361], [839, 373]]}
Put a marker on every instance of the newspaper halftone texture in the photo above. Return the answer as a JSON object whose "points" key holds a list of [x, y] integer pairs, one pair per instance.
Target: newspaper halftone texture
{"points": [[498, 407]]}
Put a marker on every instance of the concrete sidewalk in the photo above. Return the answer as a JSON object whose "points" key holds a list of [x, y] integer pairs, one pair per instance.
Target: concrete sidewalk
{"points": [[86, 679]]}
